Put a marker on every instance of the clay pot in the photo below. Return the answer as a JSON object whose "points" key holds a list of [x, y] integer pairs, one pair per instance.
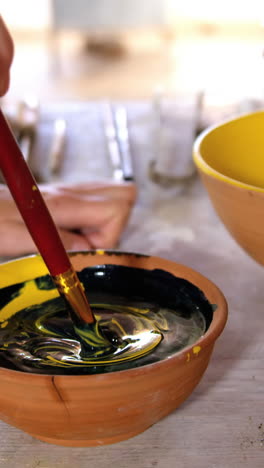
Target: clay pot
{"points": [[230, 160], [89, 410]]}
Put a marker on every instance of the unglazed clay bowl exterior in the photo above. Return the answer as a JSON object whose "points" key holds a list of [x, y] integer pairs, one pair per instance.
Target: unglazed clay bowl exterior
{"points": [[89, 410], [230, 160]]}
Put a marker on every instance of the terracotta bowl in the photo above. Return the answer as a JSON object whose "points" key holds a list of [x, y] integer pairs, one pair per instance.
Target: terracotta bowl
{"points": [[230, 160], [87, 410]]}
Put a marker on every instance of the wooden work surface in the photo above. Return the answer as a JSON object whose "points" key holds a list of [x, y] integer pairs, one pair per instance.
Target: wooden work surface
{"points": [[221, 425]]}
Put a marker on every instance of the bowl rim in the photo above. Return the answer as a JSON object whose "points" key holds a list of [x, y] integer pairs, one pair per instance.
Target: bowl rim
{"points": [[186, 355], [209, 170]]}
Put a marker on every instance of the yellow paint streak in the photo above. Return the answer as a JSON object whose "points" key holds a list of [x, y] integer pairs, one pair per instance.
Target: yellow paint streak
{"points": [[188, 357], [196, 350], [29, 295], [34, 188], [20, 270], [104, 361], [134, 310], [4, 324], [100, 252]]}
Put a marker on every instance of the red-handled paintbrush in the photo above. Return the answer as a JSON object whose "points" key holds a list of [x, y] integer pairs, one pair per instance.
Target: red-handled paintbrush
{"points": [[40, 224]]}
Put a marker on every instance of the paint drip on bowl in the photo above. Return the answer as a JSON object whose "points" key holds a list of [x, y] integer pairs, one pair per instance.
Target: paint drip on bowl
{"points": [[142, 317]]}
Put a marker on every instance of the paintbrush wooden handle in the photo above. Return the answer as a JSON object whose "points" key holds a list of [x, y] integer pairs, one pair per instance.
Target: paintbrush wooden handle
{"points": [[30, 203], [40, 224]]}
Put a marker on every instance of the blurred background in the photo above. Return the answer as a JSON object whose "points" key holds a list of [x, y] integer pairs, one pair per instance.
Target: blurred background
{"points": [[127, 48]]}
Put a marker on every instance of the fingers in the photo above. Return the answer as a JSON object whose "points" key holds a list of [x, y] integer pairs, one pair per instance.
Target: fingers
{"points": [[72, 241], [99, 212], [108, 232], [77, 206], [16, 241], [4, 83], [6, 56], [109, 189], [74, 213], [68, 211]]}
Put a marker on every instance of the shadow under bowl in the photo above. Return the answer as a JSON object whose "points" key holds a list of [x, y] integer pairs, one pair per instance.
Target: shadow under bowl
{"points": [[229, 158], [103, 408]]}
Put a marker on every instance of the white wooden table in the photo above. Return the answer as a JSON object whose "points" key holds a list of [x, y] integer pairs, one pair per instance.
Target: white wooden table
{"points": [[222, 424]]}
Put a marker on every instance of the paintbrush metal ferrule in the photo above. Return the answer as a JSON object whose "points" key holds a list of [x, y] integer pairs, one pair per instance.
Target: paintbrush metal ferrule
{"points": [[71, 289]]}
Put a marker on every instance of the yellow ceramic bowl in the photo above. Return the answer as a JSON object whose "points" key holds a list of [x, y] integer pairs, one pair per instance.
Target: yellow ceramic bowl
{"points": [[230, 159]]}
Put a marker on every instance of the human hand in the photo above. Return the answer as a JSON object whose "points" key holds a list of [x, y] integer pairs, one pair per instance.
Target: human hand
{"points": [[6, 56], [91, 215]]}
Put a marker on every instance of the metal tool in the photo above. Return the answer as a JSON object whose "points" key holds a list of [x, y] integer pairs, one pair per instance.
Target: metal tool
{"points": [[57, 146], [123, 141], [26, 124], [117, 137], [111, 140]]}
